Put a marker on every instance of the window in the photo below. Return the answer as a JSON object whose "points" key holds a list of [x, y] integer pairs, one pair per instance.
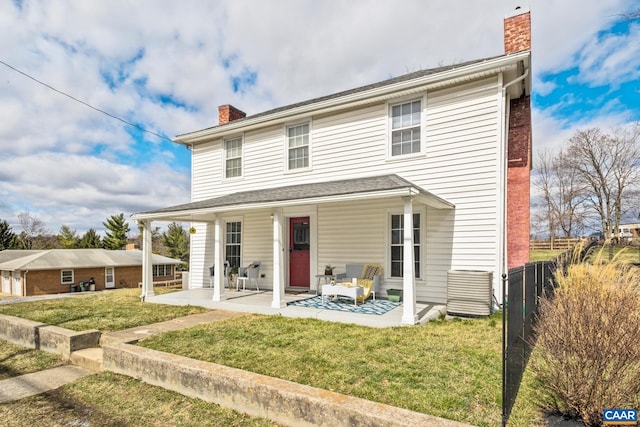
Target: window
{"points": [[233, 157], [66, 276], [298, 146], [397, 247], [405, 128], [162, 270], [233, 241]]}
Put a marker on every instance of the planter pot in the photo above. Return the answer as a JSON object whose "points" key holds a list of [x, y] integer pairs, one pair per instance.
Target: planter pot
{"points": [[92, 287], [328, 272], [394, 295], [232, 280]]}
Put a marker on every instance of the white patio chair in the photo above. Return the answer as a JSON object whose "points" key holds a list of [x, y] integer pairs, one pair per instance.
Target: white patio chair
{"points": [[246, 274]]}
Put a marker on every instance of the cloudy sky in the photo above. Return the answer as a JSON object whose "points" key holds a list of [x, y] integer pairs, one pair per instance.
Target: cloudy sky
{"points": [[167, 65]]}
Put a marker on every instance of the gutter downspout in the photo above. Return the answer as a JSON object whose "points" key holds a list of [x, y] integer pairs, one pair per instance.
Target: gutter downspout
{"points": [[24, 284], [503, 175]]}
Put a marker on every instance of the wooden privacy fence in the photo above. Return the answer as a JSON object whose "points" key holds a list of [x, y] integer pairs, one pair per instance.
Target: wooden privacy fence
{"points": [[555, 244]]}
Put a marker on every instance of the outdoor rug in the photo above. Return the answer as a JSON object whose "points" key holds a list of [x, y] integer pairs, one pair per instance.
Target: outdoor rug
{"points": [[377, 307]]}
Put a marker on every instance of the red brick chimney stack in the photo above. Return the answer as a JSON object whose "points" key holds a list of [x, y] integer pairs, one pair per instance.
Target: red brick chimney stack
{"points": [[517, 38], [517, 31], [228, 113]]}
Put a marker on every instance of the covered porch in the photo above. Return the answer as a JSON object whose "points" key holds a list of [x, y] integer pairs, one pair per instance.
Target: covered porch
{"points": [[260, 303], [347, 221]]}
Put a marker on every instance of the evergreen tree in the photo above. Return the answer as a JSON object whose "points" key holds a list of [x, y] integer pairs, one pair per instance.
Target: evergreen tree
{"points": [[7, 237], [116, 234], [68, 237], [90, 239], [176, 240]]}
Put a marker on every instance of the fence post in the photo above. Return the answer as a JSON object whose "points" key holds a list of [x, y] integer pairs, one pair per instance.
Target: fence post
{"points": [[504, 349]]}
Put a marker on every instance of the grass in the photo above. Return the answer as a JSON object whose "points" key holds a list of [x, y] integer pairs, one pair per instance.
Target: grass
{"points": [[112, 400], [106, 311], [450, 369], [543, 255], [17, 360]]}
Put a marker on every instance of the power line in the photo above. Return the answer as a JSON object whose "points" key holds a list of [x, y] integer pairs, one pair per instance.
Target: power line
{"points": [[85, 103]]}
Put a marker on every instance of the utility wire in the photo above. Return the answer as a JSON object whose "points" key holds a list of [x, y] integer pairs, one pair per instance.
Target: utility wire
{"points": [[85, 103]]}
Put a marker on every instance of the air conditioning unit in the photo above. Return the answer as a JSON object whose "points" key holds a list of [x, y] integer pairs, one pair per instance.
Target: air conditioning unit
{"points": [[469, 292]]}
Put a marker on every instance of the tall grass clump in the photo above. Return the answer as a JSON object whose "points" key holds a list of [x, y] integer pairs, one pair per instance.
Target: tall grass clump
{"points": [[587, 354]]}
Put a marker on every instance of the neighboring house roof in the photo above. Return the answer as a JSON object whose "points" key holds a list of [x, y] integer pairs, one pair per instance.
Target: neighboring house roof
{"points": [[55, 259], [378, 186], [440, 77]]}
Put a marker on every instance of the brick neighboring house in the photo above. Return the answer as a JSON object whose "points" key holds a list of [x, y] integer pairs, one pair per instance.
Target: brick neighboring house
{"points": [[54, 271], [423, 173]]}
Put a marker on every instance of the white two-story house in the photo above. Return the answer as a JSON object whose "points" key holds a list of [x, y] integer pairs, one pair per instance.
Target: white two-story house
{"points": [[423, 173]]}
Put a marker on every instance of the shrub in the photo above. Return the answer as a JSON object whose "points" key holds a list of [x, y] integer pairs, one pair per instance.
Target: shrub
{"points": [[587, 354]]}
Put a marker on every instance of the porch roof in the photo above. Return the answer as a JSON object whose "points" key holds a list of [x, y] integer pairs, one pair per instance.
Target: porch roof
{"points": [[321, 192]]}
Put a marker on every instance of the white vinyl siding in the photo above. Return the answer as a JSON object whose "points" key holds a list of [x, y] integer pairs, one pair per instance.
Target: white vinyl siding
{"points": [[66, 277], [298, 146], [460, 164], [233, 157]]}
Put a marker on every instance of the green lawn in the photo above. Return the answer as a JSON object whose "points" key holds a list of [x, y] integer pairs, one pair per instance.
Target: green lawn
{"points": [[450, 369], [16, 360], [106, 311], [543, 255], [111, 400], [446, 368]]}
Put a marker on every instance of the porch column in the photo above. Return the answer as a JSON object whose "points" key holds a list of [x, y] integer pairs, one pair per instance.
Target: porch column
{"points": [[278, 276], [409, 313], [218, 262], [147, 261]]}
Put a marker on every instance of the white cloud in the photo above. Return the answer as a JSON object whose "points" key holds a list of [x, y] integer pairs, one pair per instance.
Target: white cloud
{"points": [[611, 60], [71, 165]]}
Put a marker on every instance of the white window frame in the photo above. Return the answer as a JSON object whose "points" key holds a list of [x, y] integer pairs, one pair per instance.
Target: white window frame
{"points": [[225, 159], [224, 231], [389, 134], [288, 126], [422, 251], [164, 268], [62, 277]]}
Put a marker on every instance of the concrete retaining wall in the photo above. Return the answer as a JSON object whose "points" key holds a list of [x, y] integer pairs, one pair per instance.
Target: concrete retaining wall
{"points": [[282, 401], [40, 336]]}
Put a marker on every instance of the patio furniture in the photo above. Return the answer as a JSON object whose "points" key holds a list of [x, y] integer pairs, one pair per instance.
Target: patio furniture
{"points": [[246, 274], [327, 278], [344, 290], [368, 276]]}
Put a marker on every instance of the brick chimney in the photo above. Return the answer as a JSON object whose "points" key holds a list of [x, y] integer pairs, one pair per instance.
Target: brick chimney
{"points": [[517, 31], [228, 113], [517, 38]]}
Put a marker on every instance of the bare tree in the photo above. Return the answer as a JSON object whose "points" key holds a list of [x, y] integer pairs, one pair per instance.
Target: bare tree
{"points": [[563, 195], [34, 232], [635, 14], [607, 164]]}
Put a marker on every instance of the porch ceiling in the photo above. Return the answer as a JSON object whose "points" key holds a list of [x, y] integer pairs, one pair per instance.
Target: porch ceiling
{"points": [[374, 187]]}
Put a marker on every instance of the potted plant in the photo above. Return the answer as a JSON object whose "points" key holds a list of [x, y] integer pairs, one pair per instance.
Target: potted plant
{"points": [[233, 276], [328, 270]]}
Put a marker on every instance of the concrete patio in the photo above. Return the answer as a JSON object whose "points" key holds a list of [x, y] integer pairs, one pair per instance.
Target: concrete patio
{"points": [[260, 302]]}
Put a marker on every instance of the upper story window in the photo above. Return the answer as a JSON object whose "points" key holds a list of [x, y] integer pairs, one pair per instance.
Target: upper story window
{"points": [[298, 146], [233, 157], [405, 128]]}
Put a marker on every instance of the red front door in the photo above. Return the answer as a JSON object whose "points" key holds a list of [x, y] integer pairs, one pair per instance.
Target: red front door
{"points": [[299, 239]]}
